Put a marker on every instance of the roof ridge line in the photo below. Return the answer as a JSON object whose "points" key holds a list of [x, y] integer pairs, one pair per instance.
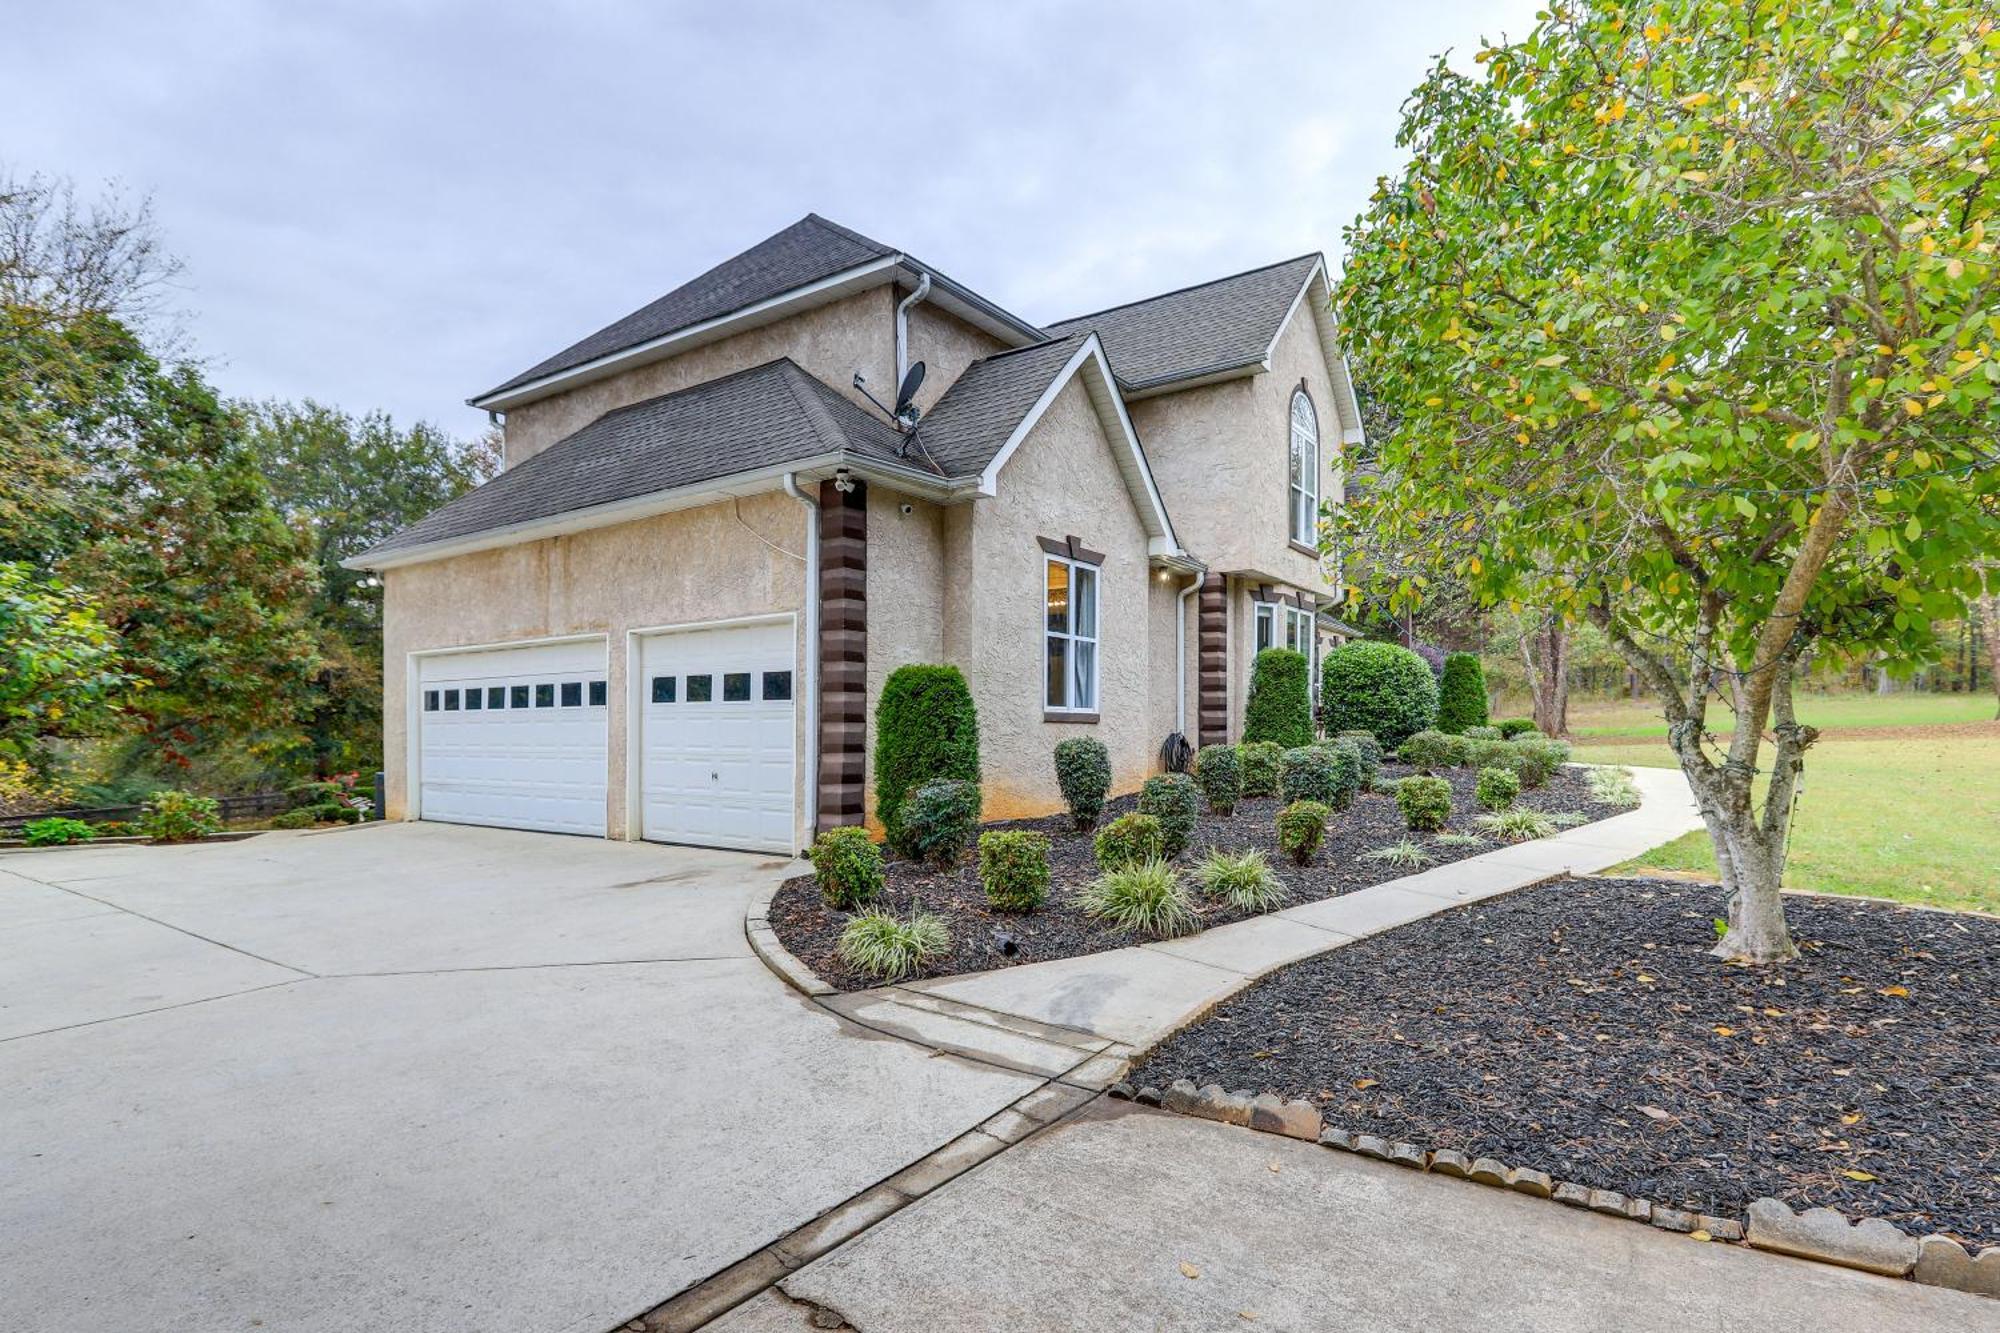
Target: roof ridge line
{"points": [[883, 251], [1319, 255], [814, 407]]}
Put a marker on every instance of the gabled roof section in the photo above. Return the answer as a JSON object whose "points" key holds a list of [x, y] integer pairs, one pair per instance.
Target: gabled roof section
{"points": [[761, 418], [1201, 331]]}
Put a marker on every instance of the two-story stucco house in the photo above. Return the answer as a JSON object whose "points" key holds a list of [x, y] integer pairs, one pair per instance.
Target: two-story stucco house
{"points": [[670, 615]]}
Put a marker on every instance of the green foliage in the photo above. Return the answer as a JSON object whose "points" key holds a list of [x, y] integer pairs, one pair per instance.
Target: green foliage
{"points": [[1481, 733], [180, 816], [1518, 825], [298, 817], [1612, 786], [1301, 829], [56, 831], [1172, 799], [888, 948], [1349, 769], [1461, 694], [1279, 709], [1308, 776], [1083, 771], [1510, 727], [847, 865], [926, 729], [1404, 855], [1425, 803], [1127, 840], [1219, 770], [1458, 840], [1261, 762], [61, 663], [1014, 869], [1370, 750], [1496, 788], [1537, 757], [1380, 688], [1146, 896], [1432, 750], [1241, 879], [938, 820]]}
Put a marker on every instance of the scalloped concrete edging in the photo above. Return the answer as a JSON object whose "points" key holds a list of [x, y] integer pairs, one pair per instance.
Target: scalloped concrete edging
{"points": [[1820, 1234]]}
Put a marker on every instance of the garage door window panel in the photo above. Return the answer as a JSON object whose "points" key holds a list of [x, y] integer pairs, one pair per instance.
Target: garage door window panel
{"points": [[545, 695], [736, 687], [572, 694], [597, 694], [701, 689], [663, 689], [777, 686]]}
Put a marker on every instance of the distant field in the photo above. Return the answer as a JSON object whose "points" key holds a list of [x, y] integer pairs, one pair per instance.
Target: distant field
{"points": [[1641, 717]]}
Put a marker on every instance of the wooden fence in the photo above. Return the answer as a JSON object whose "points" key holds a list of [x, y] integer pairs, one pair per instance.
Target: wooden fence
{"points": [[249, 806]]}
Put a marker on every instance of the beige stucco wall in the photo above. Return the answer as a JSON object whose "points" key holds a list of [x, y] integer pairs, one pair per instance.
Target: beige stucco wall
{"points": [[721, 561], [830, 341], [946, 345]]}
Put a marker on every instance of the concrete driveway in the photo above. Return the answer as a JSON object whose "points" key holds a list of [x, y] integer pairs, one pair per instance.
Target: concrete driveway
{"points": [[418, 1077]]}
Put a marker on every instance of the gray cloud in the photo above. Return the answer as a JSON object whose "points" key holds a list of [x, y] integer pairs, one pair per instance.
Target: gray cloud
{"points": [[398, 206]]}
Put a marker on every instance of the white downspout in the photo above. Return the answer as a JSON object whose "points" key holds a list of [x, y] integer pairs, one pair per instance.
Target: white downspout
{"points": [[903, 328], [811, 672], [1180, 657]]}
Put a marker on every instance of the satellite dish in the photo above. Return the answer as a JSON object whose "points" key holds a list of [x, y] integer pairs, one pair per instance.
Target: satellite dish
{"points": [[907, 390]]}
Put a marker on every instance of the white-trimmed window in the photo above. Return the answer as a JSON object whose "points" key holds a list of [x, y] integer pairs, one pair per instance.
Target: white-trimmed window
{"points": [[1267, 625], [1305, 471], [1280, 626], [1069, 643]]}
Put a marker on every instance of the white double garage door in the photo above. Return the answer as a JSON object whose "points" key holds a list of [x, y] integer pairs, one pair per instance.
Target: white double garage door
{"points": [[519, 737]]}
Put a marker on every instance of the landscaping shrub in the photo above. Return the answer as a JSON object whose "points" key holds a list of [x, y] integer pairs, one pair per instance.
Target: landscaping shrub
{"points": [[926, 730], [1348, 767], [1518, 825], [301, 818], [1378, 688], [889, 948], [1537, 758], [1146, 896], [1280, 705], [1510, 727], [938, 821], [1425, 803], [1612, 786], [1301, 829], [1308, 776], [1083, 771], [56, 831], [1014, 869], [1370, 751], [1404, 855], [316, 792], [1482, 734], [1172, 799], [1496, 788], [1483, 752], [1261, 761], [847, 866], [1219, 770], [1241, 879], [1461, 694], [1127, 840], [1432, 750], [180, 816], [333, 812]]}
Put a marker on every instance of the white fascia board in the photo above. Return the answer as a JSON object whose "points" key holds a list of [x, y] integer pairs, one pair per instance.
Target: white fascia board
{"points": [[1214, 377], [1345, 406], [874, 273]]}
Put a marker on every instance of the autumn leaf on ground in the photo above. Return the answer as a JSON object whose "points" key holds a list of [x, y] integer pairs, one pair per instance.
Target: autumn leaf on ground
{"points": [[1857, 1175], [1360, 1083], [1725, 1032], [1894, 990], [1189, 1271]]}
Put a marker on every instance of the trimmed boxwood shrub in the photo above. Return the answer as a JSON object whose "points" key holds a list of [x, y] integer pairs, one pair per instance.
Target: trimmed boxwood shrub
{"points": [[1261, 761], [1171, 798], [180, 816], [300, 818], [333, 812], [1348, 766], [1083, 771], [1379, 688], [1370, 751], [1128, 840], [1425, 803], [938, 821], [1432, 750], [1510, 727], [1537, 758], [847, 866], [1301, 829], [926, 730], [1219, 771], [1014, 869], [1496, 788], [1280, 705], [1461, 694], [1308, 776]]}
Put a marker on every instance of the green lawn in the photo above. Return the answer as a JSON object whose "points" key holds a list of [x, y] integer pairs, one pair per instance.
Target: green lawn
{"points": [[1916, 819], [1641, 717]]}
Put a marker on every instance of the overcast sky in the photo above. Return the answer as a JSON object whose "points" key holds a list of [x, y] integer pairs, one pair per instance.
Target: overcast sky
{"points": [[398, 206]]}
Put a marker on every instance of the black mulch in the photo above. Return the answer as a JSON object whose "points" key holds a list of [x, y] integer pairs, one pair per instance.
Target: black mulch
{"points": [[810, 930], [1582, 1028]]}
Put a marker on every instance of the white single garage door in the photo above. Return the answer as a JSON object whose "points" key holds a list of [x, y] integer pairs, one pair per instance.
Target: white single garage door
{"points": [[514, 737], [717, 736]]}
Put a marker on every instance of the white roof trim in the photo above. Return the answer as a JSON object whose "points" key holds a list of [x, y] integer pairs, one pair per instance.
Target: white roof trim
{"points": [[1346, 407], [1109, 405]]}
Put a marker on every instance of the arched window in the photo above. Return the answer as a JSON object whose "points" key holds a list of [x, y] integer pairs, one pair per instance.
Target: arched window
{"points": [[1305, 471]]}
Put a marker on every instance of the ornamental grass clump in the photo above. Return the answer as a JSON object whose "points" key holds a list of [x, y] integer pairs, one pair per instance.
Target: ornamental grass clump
{"points": [[1172, 799], [1612, 786], [1518, 825], [1083, 772], [889, 948], [1146, 897], [1496, 788], [1128, 840], [938, 821], [1405, 855], [1425, 803], [1301, 829], [1242, 879], [1261, 762], [847, 866], [1308, 776], [1218, 769], [1014, 869]]}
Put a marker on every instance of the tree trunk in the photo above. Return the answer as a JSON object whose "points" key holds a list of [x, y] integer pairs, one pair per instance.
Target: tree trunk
{"points": [[1749, 854], [1545, 653], [1989, 623]]}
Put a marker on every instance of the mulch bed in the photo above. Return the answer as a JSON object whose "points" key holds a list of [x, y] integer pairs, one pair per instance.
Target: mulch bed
{"points": [[1581, 1028], [810, 930]]}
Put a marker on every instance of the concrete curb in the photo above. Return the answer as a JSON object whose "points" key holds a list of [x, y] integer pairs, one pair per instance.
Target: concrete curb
{"points": [[774, 955]]}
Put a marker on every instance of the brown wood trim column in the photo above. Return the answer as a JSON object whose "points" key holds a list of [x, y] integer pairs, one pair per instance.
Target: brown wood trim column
{"points": [[1213, 661], [843, 654]]}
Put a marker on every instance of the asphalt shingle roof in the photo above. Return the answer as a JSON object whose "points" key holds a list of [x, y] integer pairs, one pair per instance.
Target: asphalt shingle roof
{"points": [[768, 415], [808, 251], [966, 427], [1199, 330]]}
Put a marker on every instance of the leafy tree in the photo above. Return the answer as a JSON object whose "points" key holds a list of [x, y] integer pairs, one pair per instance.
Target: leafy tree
{"points": [[58, 664], [1687, 317]]}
